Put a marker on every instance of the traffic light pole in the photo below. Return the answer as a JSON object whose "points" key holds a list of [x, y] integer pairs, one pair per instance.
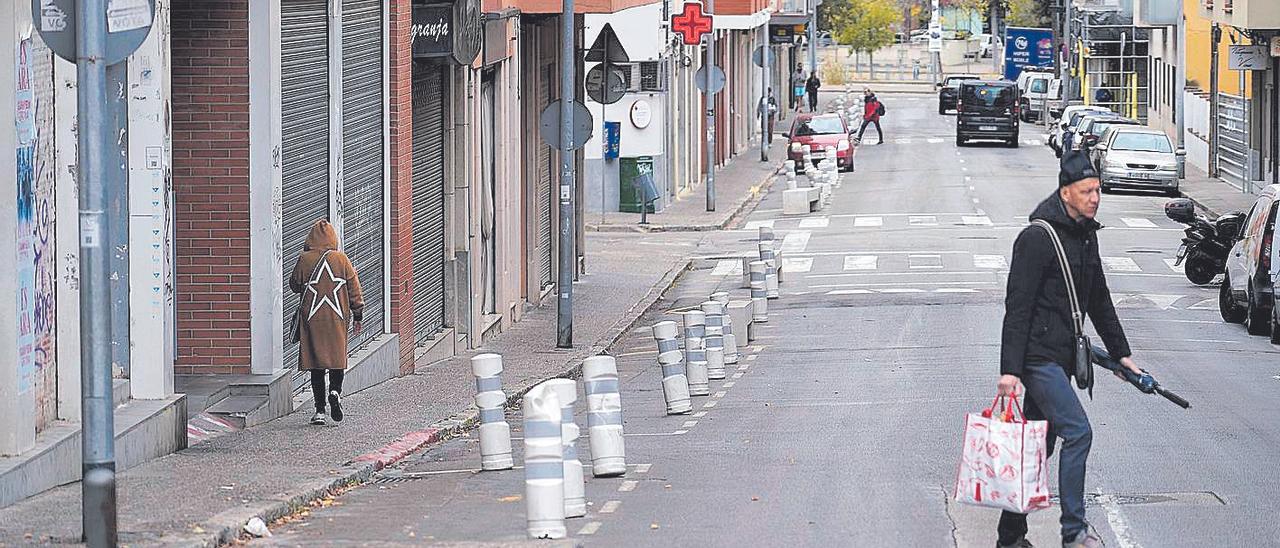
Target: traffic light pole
{"points": [[564, 280], [98, 489]]}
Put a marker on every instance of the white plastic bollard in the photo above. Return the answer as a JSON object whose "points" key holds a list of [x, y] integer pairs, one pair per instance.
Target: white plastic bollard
{"points": [[495, 433], [695, 326], [771, 268], [759, 295], [543, 464], [715, 339], [695, 365], [575, 490], [766, 234], [604, 416], [675, 384], [730, 338]]}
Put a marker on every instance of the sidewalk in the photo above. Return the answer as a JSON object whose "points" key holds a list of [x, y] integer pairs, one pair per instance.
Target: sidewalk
{"points": [[738, 185], [1215, 196], [203, 495]]}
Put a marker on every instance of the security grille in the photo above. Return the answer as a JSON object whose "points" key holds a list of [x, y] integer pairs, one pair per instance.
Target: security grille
{"points": [[546, 171], [362, 157], [1233, 153], [304, 69], [428, 201]]}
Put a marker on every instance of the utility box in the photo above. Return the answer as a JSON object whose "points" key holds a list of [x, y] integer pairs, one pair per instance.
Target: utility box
{"points": [[636, 187]]}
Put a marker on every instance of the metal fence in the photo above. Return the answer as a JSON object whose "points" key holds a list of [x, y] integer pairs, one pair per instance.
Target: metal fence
{"points": [[1233, 138]]}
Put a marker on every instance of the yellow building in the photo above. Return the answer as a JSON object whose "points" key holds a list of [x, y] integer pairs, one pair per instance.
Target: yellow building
{"points": [[1199, 51]]}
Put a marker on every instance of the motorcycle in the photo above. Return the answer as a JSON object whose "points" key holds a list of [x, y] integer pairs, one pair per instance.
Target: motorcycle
{"points": [[1206, 243]]}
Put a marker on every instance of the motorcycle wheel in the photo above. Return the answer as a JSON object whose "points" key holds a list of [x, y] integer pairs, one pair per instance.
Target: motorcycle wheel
{"points": [[1230, 311], [1200, 269]]}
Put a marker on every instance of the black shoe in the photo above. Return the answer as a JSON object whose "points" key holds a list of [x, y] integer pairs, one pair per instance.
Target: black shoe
{"points": [[1022, 543], [318, 419], [335, 405]]}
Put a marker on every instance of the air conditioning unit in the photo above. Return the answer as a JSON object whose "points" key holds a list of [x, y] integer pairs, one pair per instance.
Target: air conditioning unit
{"points": [[652, 77]]}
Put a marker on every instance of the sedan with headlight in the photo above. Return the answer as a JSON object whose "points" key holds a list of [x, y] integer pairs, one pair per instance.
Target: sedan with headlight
{"points": [[818, 132], [1137, 157]]}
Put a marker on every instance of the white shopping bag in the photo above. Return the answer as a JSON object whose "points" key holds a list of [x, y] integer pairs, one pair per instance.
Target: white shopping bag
{"points": [[1002, 464]]}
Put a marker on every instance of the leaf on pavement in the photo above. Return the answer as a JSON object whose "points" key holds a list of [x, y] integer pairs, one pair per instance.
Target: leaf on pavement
{"points": [[512, 498]]}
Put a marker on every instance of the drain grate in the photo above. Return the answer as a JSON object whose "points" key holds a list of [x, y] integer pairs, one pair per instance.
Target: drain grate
{"points": [[1195, 498]]}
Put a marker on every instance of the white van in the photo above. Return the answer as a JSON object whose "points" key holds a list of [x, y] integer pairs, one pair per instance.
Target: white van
{"points": [[1038, 87]]}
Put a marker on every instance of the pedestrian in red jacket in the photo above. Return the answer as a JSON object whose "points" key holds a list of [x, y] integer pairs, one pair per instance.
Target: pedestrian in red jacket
{"points": [[872, 110]]}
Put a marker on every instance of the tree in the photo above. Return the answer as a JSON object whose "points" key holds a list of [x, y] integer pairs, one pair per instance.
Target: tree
{"points": [[1027, 13], [866, 25]]}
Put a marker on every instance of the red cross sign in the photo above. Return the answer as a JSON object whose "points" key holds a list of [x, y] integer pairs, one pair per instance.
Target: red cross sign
{"points": [[692, 23]]}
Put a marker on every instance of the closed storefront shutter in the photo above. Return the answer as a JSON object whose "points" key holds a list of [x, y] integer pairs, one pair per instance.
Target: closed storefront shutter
{"points": [[304, 68], [544, 196], [428, 201], [362, 157]]}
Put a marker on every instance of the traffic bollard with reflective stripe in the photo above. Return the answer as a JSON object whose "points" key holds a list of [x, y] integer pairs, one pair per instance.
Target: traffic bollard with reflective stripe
{"points": [[730, 338], [771, 268], [604, 416], [696, 367], [675, 384], [495, 433], [543, 463], [575, 496], [766, 234], [759, 296], [695, 325], [714, 312]]}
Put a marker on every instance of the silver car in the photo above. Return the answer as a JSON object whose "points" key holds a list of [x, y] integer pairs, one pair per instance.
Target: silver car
{"points": [[1137, 157]]}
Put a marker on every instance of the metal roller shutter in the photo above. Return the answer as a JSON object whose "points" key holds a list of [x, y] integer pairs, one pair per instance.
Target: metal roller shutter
{"points": [[304, 69], [546, 199], [428, 201], [362, 157]]}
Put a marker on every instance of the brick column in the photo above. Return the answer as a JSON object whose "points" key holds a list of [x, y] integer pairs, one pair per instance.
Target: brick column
{"points": [[401, 158], [210, 82]]}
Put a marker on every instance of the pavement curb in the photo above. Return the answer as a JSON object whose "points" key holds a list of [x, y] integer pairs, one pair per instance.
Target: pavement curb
{"points": [[228, 526], [745, 203]]}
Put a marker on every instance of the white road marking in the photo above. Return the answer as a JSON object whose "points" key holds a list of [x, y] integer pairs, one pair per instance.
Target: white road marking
{"points": [[795, 242], [1138, 222], [689, 424], [710, 404], [727, 267], [901, 141], [895, 284], [1031, 142], [590, 528], [850, 292], [868, 221], [860, 262], [751, 358], [1120, 264], [1141, 300], [922, 220], [975, 200], [962, 160], [628, 485], [610, 507], [700, 414], [720, 394], [1119, 525], [1174, 267], [955, 290], [737, 375], [755, 225], [1207, 304], [976, 220], [933, 140], [728, 384], [990, 261], [901, 290], [643, 468], [924, 262], [796, 264], [815, 222], [679, 432]]}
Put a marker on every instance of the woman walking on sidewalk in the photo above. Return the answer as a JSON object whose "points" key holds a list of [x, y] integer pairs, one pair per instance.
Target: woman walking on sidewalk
{"points": [[811, 88], [330, 300]]}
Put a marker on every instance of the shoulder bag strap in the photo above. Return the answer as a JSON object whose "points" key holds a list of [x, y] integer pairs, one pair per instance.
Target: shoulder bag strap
{"points": [[1077, 318]]}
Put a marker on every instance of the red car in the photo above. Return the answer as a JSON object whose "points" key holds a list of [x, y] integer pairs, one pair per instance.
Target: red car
{"points": [[820, 131]]}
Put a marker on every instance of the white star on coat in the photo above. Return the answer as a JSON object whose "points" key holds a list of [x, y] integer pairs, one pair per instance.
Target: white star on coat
{"points": [[330, 297]]}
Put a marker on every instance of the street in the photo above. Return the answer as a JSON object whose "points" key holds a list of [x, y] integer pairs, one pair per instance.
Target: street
{"points": [[841, 426]]}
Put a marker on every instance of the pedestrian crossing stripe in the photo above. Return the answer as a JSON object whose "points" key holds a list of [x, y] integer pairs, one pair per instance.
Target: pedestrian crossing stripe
{"points": [[868, 221], [727, 267], [1120, 264], [1132, 222], [990, 262], [860, 262], [1143, 300], [795, 242], [815, 222], [922, 220], [924, 262], [795, 264], [1174, 267], [976, 220], [755, 225], [1121, 300]]}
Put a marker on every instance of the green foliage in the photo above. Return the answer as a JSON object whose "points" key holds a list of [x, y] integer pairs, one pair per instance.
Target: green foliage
{"points": [[1027, 13], [866, 25]]}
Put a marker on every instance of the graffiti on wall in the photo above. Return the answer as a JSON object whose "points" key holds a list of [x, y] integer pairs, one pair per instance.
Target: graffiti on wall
{"points": [[36, 263]]}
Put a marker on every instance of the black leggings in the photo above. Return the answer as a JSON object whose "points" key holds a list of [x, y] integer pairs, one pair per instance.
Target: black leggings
{"points": [[317, 385], [865, 123]]}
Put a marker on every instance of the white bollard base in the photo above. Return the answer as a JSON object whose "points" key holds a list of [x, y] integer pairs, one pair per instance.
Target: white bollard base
{"points": [[760, 312]]}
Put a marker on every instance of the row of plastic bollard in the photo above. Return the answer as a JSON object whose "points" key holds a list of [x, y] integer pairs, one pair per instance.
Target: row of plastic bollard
{"points": [[554, 482]]}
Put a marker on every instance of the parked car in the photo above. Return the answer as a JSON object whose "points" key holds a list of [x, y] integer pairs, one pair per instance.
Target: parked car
{"points": [[987, 109], [1090, 133], [948, 90], [1037, 88], [1068, 116], [1071, 140], [1247, 295], [820, 131], [1133, 156]]}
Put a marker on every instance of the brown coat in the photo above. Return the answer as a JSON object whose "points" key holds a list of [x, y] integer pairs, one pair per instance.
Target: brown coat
{"points": [[330, 300]]}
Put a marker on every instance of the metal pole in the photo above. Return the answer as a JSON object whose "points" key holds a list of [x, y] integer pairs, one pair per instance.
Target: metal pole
{"points": [[1069, 32], [813, 37], [1216, 36], [1246, 184], [1180, 91], [98, 489], [564, 281], [711, 112], [764, 94]]}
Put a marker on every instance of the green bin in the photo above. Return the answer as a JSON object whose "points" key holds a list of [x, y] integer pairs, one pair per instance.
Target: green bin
{"points": [[631, 172]]}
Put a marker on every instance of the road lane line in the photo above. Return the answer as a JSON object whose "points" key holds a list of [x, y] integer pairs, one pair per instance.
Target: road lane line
{"points": [[726, 267], [751, 358], [924, 262], [894, 290], [850, 292], [955, 290], [680, 432], [1174, 267], [737, 375], [1119, 525], [610, 507], [589, 529], [700, 414], [628, 486]]}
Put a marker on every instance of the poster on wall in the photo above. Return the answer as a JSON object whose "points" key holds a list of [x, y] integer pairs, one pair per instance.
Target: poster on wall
{"points": [[24, 116]]}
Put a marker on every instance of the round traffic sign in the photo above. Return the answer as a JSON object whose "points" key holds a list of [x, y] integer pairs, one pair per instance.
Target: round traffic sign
{"points": [[597, 89], [549, 126], [717, 79], [128, 22]]}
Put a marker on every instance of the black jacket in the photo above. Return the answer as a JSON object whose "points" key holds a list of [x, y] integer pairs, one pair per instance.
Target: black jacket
{"points": [[1037, 318]]}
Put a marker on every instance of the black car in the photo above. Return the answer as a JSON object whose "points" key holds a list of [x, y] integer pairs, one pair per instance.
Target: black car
{"points": [[949, 89], [987, 109]]}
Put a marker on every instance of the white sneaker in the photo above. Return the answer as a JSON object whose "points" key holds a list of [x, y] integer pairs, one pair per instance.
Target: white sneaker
{"points": [[319, 419]]}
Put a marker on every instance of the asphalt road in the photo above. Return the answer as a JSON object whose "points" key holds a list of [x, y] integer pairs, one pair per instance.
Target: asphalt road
{"points": [[842, 425]]}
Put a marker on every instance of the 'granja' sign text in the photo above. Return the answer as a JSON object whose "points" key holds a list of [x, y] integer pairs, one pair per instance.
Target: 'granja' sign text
{"points": [[432, 31]]}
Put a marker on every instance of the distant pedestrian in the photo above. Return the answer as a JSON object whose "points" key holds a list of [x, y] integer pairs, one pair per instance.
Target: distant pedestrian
{"points": [[1041, 335], [872, 110], [768, 107], [797, 88], [330, 301], [811, 87]]}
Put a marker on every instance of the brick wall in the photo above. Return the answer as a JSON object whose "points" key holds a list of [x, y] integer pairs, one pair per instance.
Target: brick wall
{"points": [[401, 157], [210, 51]]}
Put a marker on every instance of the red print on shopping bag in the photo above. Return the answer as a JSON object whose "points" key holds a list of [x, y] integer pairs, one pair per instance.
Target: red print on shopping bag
{"points": [[1002, 461]]}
